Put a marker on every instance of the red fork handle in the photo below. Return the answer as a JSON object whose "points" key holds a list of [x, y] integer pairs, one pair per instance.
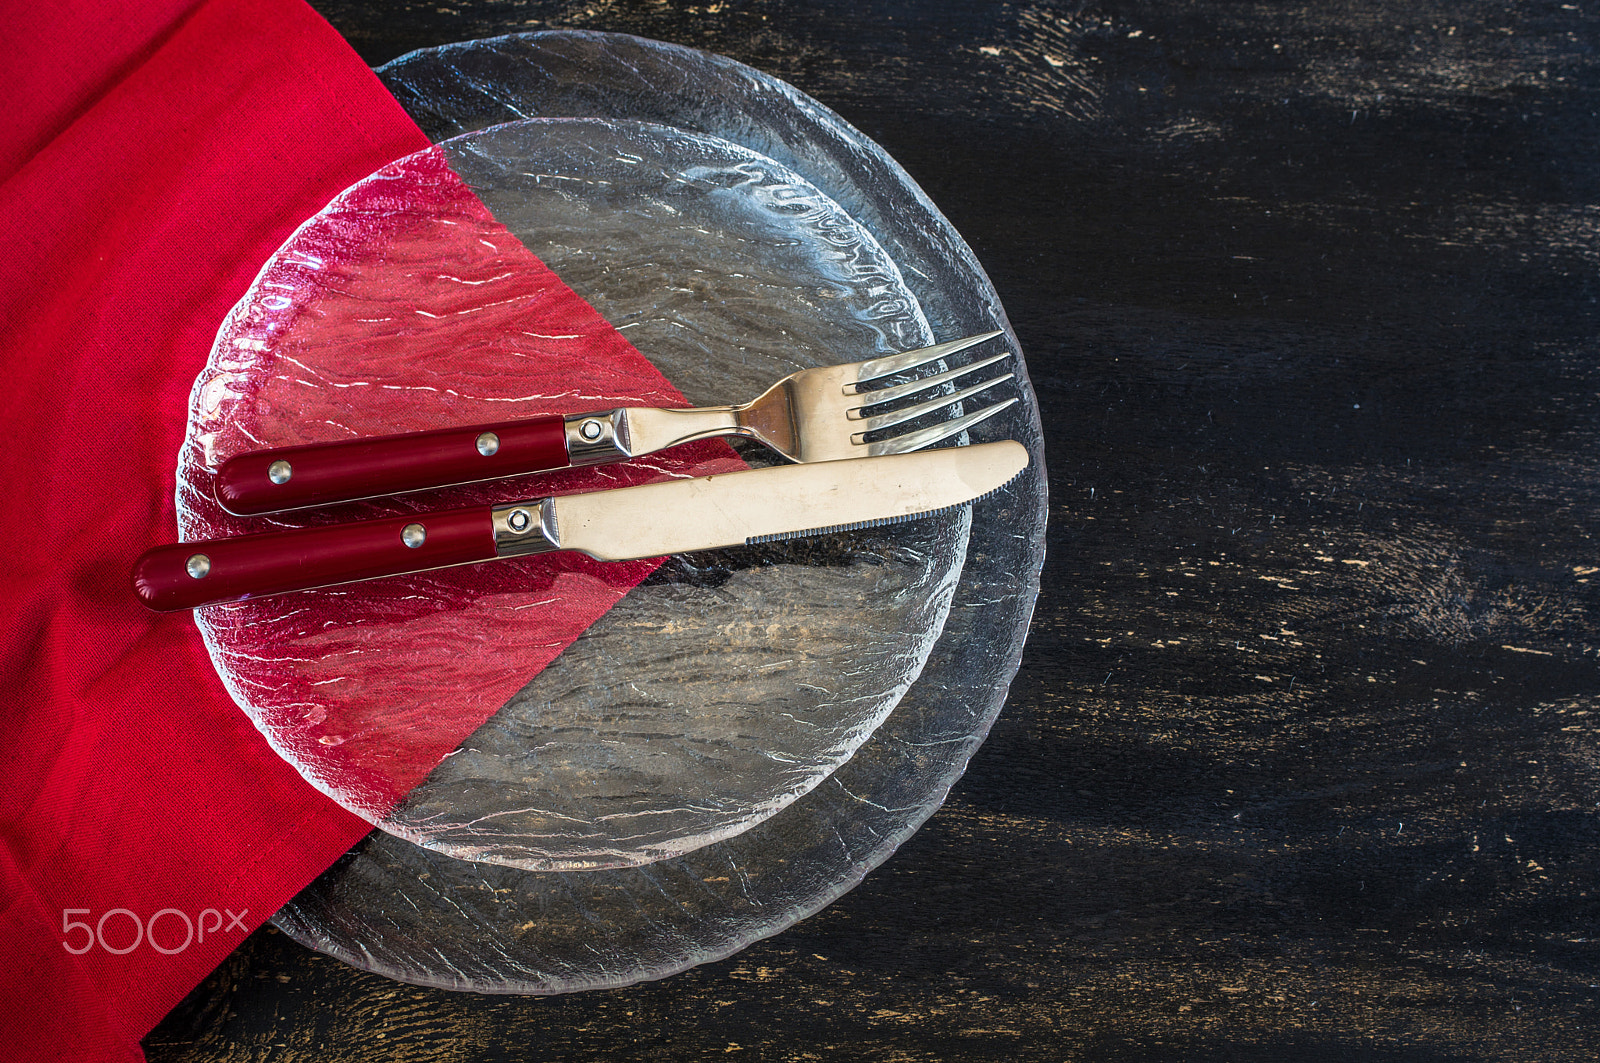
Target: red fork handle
{"points": [[266, 481], [187, 575]]}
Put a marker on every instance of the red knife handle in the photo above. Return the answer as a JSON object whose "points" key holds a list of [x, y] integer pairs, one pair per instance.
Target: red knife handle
{"points": [[266, 481], [186, 575]]}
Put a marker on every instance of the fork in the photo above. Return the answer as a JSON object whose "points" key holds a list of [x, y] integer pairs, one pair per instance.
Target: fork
{"points": [[822, 414]]}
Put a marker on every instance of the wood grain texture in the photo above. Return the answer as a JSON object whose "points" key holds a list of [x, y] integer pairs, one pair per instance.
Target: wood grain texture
{"points": [[1303, 761]]}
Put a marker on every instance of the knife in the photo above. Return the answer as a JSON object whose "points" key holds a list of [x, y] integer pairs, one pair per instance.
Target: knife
{"points": [[672, 517]]}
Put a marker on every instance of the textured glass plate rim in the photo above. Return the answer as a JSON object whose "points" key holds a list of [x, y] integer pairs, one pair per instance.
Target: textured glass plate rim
{"points": [[1032, 496]]}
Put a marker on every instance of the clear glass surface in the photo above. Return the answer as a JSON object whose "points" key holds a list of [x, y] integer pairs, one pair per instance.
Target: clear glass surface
{"points": [[420, 916]]}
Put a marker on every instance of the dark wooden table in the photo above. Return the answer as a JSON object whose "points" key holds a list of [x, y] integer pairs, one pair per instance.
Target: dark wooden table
{"points": [[1303, 761]]}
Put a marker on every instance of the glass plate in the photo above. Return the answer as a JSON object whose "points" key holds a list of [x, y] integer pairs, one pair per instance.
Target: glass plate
{"points": [[416, 915], [707, 699]]}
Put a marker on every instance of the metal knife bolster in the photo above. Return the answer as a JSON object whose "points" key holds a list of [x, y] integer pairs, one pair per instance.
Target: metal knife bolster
{"points": [[523, 529]]}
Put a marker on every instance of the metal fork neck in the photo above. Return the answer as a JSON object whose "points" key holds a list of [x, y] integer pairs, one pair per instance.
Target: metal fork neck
{"points": [[615, 435]]}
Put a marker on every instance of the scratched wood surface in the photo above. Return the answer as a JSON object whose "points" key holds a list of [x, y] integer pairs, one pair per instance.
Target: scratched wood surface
{"points": [[1303, 761]]}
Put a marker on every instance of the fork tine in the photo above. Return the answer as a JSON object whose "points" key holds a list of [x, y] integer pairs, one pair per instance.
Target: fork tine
{"points": [[928, 436], [888, 365], [900, 391], [894, 417]]}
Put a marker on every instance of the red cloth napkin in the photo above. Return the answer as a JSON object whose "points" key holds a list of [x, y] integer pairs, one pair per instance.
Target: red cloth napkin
{"points": [[153, 156]]}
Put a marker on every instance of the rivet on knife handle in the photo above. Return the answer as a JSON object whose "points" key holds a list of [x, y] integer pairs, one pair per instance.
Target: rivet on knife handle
{"points": [[267, 481]]}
